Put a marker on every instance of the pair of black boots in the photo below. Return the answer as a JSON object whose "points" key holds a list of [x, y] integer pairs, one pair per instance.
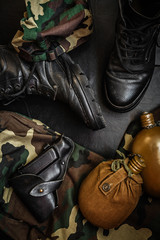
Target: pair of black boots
{"points": [[128, 73]]}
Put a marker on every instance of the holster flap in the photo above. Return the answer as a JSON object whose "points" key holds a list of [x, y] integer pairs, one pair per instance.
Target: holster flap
{"points": [[44, 188]]}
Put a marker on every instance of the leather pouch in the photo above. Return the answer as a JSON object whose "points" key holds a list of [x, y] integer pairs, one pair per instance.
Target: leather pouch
{"points": [[37, 182]]}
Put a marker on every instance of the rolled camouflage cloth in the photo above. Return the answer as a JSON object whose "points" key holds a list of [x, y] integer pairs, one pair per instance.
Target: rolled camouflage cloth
{"points": [[68, 22], [67, 222]]}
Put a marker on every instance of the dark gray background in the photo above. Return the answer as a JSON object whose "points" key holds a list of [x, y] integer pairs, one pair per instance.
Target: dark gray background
{"points": [[92, 57]]}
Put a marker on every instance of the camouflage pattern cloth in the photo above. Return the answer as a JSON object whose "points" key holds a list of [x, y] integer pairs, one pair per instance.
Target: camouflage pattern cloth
{"points": [[21, 140], [68, 22]]}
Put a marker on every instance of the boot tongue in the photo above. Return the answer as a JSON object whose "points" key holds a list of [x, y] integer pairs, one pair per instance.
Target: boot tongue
{"points": [[132, 17]]}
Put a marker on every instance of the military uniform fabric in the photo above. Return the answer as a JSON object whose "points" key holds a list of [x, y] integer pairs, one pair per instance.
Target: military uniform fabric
{"points": [[68, 22], [67, 221], [21, 140]]}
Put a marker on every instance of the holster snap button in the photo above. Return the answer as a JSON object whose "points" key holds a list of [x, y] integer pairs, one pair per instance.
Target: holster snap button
{"points": [[106, 187]]}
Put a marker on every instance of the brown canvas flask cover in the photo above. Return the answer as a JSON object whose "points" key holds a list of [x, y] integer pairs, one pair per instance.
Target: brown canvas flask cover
{"points": [[111, 191]]}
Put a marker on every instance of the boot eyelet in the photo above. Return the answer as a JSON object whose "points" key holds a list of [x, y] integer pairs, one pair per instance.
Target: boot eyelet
{"points": [[9, 89], [31, 89], [1, 90], [17, 87]]}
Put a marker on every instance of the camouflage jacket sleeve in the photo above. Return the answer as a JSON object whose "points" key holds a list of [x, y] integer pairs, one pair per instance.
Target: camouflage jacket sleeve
{"points": [[68, 22]]}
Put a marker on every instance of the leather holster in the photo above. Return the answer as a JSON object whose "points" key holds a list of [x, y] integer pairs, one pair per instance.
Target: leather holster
{"points": [[36, 183]]}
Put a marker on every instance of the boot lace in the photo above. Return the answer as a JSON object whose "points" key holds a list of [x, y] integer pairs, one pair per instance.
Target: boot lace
{"points": [[134, 44], [9, 98], [61, 59]]}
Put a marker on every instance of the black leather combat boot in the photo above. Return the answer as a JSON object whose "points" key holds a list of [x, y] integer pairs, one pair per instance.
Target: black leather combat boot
{"points": [[60, 79], [132, 60]]}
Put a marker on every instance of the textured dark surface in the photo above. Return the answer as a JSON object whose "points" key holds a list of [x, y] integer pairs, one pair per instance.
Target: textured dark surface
{"points": [[92, 57]]}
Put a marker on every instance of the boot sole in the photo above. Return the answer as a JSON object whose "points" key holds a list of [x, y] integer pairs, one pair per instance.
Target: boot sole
{"points": [[91, 110]]}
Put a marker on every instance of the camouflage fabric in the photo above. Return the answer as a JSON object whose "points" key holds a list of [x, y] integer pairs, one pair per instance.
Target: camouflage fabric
{"points": [[68, 22], [21, 140]]}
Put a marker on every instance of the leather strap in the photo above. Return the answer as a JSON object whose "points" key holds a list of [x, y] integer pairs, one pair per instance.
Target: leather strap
{"points": [[44, 188]]}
